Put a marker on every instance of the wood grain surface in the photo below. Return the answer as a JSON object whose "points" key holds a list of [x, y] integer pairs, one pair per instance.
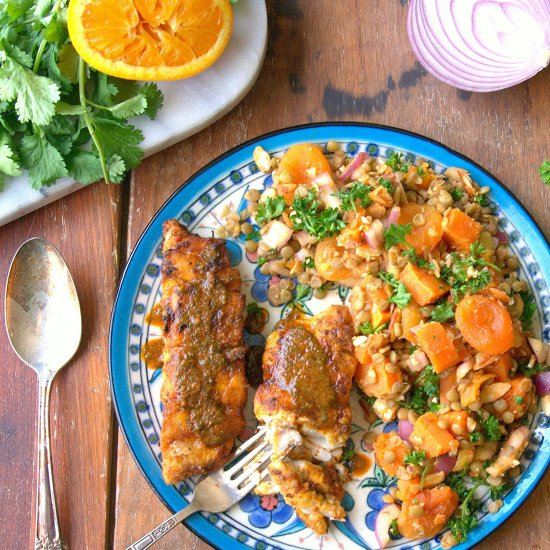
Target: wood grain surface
{"points": [[326, 60]]}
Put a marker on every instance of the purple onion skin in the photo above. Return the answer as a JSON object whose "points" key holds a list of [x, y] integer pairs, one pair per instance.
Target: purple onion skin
{"points": [[542, 383]]}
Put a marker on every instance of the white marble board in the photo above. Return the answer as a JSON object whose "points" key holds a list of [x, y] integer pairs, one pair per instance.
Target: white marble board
{"points": [[189, 106]]}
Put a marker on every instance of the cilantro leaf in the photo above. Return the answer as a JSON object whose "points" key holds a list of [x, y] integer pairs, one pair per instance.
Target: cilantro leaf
{"points": [[395, 234], [544, 172], [36, 95], [116, 169], [357, 192], [366, 328], [443, 312], [43, 161], [400, 297], [271, 208], [135, 105], [154, 98], [394, 162], [8, 164], [387, 184], [84, 166], [119, 138]]}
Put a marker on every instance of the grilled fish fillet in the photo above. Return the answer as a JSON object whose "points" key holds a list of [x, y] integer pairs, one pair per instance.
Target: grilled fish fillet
{"points": [[204, 388], [308, 366]]}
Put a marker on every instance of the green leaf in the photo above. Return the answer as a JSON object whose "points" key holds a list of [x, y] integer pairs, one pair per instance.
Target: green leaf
{"points": [[271, 208], [36, 95], [350, 195], [154, 98], [43, 161], [395, 234], [84, 166], [544, 172], [367, 329], [62, 108], [17, 8], [22, 57], [8, 164], [456, 193], [134, 106], [116, 169], [104, 91], [491, 428], [119, 138], [443, 312], [56, 30], [400, 297], [529, 309], [68, 63]]}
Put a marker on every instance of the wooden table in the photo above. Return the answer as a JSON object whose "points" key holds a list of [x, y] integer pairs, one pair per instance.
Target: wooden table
{"points": [[326, 60]]}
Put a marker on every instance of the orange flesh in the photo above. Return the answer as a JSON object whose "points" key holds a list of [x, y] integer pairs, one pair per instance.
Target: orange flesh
{"points": [[423, 286], [430, 437], [390, 442], [438, 346], [459, 230], [152, 33]]}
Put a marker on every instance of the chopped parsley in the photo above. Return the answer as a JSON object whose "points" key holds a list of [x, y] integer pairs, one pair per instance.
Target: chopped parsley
{"points": [[443, 312], [415, 457], [262, 261], [254, 236], [482, 200], [358, 192], [519, 400], [366, 328], [395, 235], [537, 368], [253, 308], [320, 224], [393, 531], [425, 392], [400, 297], [387, 184], [498, 492], [458, 277], [475, 437], [271, 208], [420, 171], [456, 193], [309, 262], [301, 291], [464, 519], [348, 455], [491, 428], [529, 309], [395, 163], [544, 172]]}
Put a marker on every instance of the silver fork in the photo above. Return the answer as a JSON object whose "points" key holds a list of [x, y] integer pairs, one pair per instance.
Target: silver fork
{"points": [[222, 488]]}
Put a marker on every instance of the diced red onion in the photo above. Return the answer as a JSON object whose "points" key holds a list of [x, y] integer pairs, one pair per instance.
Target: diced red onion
{"points": [[480, 45], [353, 165], [304, 238], [501, 236], [392, 216], [404, 429], [418, 360], [542, 383], [302, 254], [445, 464], [374, 235]]}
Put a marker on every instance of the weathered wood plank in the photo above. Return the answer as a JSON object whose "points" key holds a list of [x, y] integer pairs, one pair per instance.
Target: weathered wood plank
{"points": [[85, 228]]}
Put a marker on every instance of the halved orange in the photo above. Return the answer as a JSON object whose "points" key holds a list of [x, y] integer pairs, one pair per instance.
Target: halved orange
{"points": [[150, 39]]}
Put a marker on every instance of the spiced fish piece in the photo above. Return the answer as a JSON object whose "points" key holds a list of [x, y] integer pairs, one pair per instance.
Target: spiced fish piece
{"points": [[204, 387], [308, 366]]}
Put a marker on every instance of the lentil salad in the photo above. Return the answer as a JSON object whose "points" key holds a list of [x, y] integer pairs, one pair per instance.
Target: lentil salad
{"points": [[442, 317]]}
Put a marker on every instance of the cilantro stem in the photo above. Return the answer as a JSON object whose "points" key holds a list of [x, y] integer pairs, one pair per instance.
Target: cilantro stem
{"points": [[88, 119], [44, 42]]}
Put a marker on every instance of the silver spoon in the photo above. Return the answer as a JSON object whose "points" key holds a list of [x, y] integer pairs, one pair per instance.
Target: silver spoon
{"points": [[44, 328]]}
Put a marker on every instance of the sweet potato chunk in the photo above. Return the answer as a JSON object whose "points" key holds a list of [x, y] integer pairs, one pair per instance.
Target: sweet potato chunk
{"points": [[438, 345], [423, 237], [389, 452], [430, 437], [423, 286], [459, 230]]}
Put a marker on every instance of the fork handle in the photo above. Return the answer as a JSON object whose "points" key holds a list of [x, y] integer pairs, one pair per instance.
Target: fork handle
{"points": [[158, 532]]}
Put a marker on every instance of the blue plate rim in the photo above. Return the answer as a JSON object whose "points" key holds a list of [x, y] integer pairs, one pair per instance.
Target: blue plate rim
{"points": [[230, 542]]}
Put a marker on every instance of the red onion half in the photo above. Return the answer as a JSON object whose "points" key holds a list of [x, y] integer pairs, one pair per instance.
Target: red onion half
{"points": [[480, 45], [542, 383], [445, 464]]}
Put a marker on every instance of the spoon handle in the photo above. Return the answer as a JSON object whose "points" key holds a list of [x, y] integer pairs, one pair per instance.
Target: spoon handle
{"points": [[47, 526]]}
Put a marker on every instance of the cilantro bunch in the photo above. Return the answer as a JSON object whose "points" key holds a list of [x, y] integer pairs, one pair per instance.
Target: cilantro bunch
{"points": [[59, 117]]}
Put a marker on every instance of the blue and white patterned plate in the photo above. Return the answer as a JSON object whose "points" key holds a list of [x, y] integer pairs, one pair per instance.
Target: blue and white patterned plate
{"points": [[267, 522]]}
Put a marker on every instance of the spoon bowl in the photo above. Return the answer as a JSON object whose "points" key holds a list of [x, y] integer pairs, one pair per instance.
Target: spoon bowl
{"points": [[44, 326], [43, 318]]}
